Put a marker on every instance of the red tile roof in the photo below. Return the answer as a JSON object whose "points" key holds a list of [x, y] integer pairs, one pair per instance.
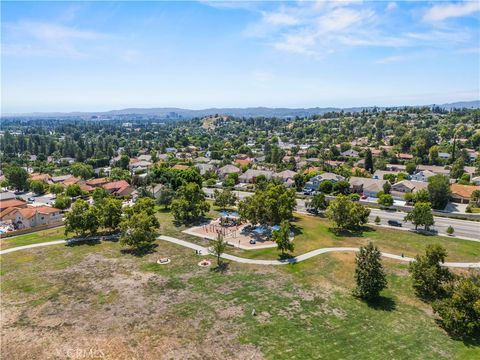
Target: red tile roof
{"points": [[12, 203]]}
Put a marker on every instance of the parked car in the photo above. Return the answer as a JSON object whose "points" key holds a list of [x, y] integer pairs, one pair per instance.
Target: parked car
{"points": [[308, 192], [31, 199], [252, 241], [312, 211], [394, 223], [364, 197]]}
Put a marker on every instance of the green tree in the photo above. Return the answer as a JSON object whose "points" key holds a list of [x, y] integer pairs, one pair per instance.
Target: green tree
{"points": [[110, 213], [341, 187], [82, 220], [82, 170], [38, 187], [428, 276], [219, 245], [56, 189], [326, 187], [369, 161], [189, 203], [458, 168], [387, 187], [369, 274], [410, 167], [17, 177], [346, 214], [460, 311], [421, 215], [99, 194], [73, 190], [421, 195], [282, 238], [165, 197], [450, 230], [439, 190], [318, 202], [138, 230], [385, 200], [62, 202], [225, 198], [268, 207]]}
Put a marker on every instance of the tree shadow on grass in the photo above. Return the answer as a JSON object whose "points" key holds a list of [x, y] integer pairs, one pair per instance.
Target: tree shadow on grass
{"points": [[222, 268], [382, 303], [297, 230], [84, 241], [468, 341], [140, 252], [285, 257], [190, 223], [358, 232]]}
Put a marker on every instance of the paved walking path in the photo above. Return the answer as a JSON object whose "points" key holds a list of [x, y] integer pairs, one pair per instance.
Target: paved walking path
{"points": [[205, 251]]}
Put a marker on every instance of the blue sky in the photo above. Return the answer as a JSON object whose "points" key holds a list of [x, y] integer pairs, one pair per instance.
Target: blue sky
{"points": [[93, 56]]}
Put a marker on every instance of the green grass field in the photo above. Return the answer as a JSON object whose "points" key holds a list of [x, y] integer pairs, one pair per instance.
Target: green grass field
{"points": [[33, 238], [88, 295], [303, 311]]}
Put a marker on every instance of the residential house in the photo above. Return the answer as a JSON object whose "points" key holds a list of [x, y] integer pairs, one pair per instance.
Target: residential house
{"points": [[397, 167], [228, 169], [243, 162], [31, 216], [334, 163], [437, 170], [180, 167], [5, 204], [462, 193], [41, 177], [379, 174], [119, 188], [350, 153], [203, 168], [366, 186], [96, 182], [201, 159], [422, 175], [315, 182], [140, 165], [287, 177], [7, 195], [251, 175], [145, 157], [404, 156], [400, 188], [476, 180]]}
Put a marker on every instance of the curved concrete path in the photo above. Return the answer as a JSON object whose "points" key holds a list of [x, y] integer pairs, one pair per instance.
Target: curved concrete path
{"points": [[205, 251]]}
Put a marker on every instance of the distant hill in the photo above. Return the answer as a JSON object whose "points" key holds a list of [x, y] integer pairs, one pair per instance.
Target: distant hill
{"points": [[178, 113]]}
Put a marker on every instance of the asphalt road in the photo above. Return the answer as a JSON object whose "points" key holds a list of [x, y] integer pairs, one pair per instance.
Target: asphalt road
{"points": [[463, 228]]}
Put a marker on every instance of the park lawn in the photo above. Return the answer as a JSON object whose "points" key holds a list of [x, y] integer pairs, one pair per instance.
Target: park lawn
{"points": [[91, 296], [313, 233], [33, 238]]}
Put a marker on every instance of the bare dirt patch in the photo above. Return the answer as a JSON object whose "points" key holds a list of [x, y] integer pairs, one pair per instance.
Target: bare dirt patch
{"points": [[104, 308]]}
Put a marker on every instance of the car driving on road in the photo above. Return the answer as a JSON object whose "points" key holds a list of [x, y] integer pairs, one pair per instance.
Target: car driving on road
{"points": [[394, 223]]}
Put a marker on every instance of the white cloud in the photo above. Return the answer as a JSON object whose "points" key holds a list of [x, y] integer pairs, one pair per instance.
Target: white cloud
{"points": [[391, 6], [341, 19], [280, 19], [48, 38], [441, 12], [391, 59]]}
